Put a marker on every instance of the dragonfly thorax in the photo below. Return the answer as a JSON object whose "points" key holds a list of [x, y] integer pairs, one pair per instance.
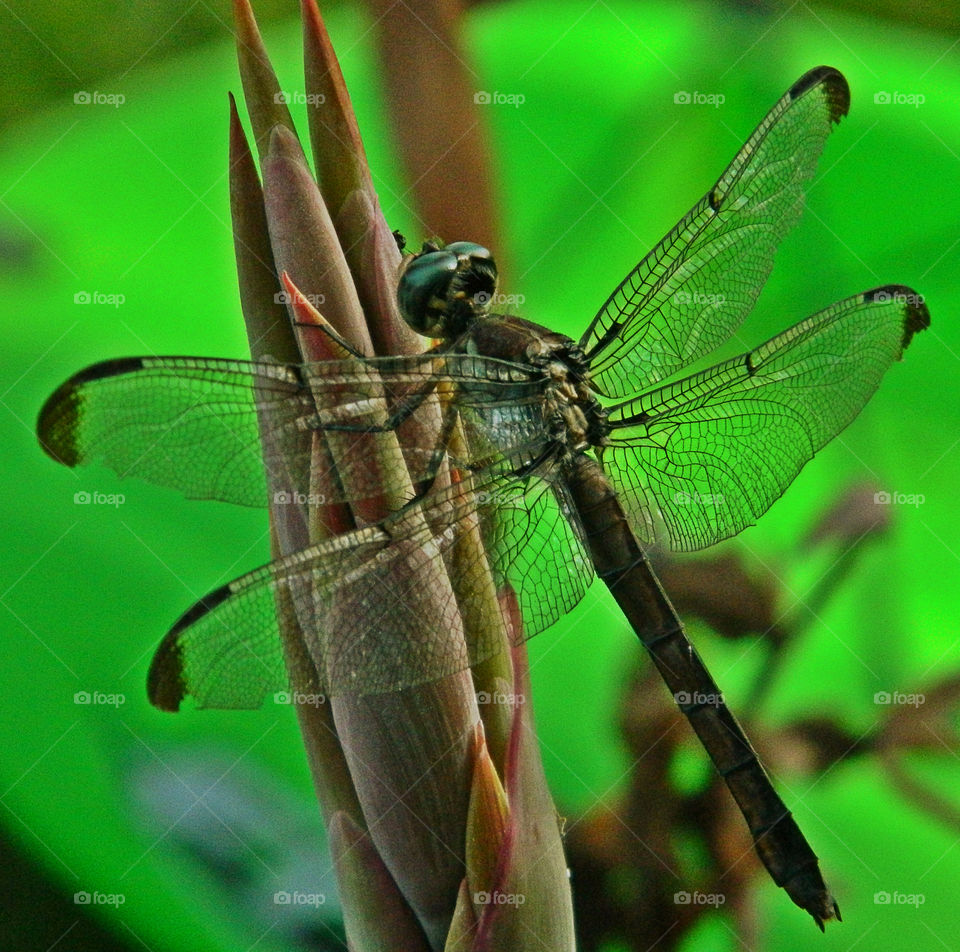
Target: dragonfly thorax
{"points": [[574, 415], [446, 291]]}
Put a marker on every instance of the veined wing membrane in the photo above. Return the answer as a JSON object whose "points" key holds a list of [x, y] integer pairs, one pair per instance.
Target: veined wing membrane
{"points": [[191, 424], [226, 651], [691, 292], [707, 455]]}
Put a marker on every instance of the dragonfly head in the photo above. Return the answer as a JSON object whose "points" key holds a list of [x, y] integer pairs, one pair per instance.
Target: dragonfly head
{"points": [[445, 288]]}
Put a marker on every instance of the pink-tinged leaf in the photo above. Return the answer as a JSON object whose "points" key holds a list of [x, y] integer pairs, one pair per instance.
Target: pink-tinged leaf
{"points": [[328, 343], [305, 243], [374, 260], [261, 89], [409, 756], [267, 322], [530, 892], [485, 622], [346, 185], [338, 152], [487, 818], [409, 753], [376, 915], [407, 744], [271, 335]]}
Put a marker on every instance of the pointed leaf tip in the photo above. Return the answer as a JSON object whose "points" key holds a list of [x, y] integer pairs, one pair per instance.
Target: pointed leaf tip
{"points": [[330, 346], [266, 101], [487, 816], [338, 152]]}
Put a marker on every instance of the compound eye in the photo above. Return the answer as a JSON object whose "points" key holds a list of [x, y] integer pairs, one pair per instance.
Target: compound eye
{"points": [[423, 288], [470, 249], [444, 289]]}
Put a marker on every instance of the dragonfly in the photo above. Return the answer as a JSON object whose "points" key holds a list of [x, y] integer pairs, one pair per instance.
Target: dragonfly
{"points": [[570, 459]]}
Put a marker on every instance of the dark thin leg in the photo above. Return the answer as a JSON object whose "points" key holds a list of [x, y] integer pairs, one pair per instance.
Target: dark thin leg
{"points": [[410, 404], [333, 335]]}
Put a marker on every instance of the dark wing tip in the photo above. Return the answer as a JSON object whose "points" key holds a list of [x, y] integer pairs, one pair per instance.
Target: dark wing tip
{"points": [[916, 316], [166, 680], [60, 417], [836, 90], [57, 424], [166, 688]]}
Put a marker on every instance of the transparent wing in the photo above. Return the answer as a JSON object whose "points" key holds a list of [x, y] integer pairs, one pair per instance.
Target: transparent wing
{"points": [[407, 601], [698, 460], [193, 424], [692, 291]]}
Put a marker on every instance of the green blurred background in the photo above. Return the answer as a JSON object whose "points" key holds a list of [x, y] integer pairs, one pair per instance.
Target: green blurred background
{"points": [[128, 204]]}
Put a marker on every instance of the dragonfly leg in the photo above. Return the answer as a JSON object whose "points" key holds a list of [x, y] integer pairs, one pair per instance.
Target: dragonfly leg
{"points": [[328, 329], [402, 412], [427, 481]]}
